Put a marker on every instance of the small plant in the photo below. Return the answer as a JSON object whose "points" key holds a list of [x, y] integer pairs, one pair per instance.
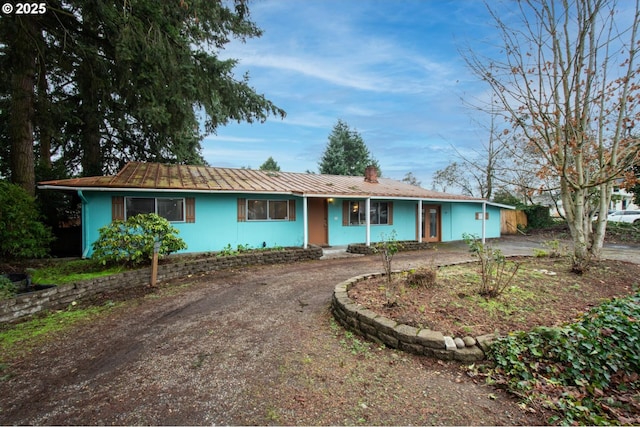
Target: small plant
{"points": [[227, 251], [556, 250], [131, 242], [355, 345], [243, 248], [496, 272], [7, 288], [387, 248], [424, 277], [540, 253]]}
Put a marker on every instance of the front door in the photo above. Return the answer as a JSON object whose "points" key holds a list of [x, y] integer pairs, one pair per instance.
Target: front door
{"points": [[318, 221], [431, 223]]}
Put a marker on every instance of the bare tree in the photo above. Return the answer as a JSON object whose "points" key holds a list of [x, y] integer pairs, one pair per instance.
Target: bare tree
{"points": [[567, 81], [411, 179]]}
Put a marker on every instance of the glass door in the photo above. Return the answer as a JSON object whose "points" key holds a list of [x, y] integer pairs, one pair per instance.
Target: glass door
{"points": [[431, 223]]}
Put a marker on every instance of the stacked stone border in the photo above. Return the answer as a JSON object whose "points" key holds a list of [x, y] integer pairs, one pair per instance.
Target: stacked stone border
{"points": [[404, 245], [383, 330], [59, 297]]}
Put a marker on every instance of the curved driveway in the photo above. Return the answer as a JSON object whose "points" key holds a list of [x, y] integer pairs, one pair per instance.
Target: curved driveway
{"points": [[246, 347]]}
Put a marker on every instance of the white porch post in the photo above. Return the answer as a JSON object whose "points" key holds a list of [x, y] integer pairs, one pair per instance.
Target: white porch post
{"points": [[484, 221], [305, 222], [420, 221], [368, 220]]}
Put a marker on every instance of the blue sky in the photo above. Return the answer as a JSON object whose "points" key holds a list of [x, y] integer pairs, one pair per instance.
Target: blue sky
{"points": [[390, 69]]}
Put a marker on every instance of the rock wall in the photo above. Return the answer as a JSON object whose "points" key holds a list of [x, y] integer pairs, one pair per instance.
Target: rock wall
{"points": [[60, 297], [382, 330], [405, 245]]}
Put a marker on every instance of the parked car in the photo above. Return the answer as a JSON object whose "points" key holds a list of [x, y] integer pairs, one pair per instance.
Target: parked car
{"points": [[625, 216], [609, 212]]}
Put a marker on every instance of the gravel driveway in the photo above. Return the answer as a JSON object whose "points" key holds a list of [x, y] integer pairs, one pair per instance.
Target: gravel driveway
{"points": [[251, 346]]}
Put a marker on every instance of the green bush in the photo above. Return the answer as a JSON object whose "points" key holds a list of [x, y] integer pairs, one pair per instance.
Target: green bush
{"points": [[577, 369], [537, 216], [7, 288], [131, 242], [22, 234]]}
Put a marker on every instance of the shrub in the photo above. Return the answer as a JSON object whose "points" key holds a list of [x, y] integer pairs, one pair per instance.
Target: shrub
{"points": [[22, 234], [131, 242], [424, 277], [496, 272], [537, 216], [580, 369], [387, 248], [7, 288]]}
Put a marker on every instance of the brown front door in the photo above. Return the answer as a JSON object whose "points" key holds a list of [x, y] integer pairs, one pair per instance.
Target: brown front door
{"points": [[431, 223], [318, 221]]}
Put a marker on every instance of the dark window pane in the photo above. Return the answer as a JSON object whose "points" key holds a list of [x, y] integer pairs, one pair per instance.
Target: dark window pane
{"points": [[277, 209], [171, 209], [256, 209], [383, 213], [140, 205]]}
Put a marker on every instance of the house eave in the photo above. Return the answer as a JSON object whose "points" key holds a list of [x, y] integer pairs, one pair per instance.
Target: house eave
{"points": [[287, 193]]}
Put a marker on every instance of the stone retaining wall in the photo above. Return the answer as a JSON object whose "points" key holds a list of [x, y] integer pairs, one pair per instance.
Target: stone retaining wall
{"points": [[382, 330], [60, 297], [404, 245]]}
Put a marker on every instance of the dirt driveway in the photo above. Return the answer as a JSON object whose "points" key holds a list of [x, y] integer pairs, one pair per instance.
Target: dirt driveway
{"points": [[252, 346]]}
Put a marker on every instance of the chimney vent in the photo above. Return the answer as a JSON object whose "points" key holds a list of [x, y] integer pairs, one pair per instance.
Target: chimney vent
{"points": [[371, 174]]}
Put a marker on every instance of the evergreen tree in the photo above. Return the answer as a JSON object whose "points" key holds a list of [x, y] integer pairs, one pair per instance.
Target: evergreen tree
{"points": [[103, 83], [270, 165], [346, 153]]}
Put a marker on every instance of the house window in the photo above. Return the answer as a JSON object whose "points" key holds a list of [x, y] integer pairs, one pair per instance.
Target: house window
{"points": [[267, 210], [356, 213], [168, 208], [378, 212]]}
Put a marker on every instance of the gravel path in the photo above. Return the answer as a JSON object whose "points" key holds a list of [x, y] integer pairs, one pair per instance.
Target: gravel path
{"points": [[252, 346]]}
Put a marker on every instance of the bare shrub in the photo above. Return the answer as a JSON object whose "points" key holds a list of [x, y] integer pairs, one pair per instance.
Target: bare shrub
{"points": [[424, 277]]}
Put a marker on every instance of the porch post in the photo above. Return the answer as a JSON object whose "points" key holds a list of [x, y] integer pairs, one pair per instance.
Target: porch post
{"points": [[420, 221], [484, 221], [305, 223], [368, 220]]}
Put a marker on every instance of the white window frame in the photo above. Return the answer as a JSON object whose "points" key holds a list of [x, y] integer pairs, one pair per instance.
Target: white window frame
{"points": [[155, 206]]}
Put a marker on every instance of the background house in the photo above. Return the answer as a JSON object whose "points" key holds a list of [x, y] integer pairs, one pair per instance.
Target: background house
{"points": [[214, 207]]}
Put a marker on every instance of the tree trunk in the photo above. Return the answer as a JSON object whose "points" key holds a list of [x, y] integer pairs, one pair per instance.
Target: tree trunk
{"points": [[573, 202], [89, 91], [21, 113], [44, 120]]}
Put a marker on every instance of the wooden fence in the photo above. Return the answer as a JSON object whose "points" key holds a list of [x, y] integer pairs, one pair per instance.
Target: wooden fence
{"points": [[510, 220]]}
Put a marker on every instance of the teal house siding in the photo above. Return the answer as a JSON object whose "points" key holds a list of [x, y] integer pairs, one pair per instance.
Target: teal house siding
{"points": [[216, 222], [460, 218], [269, 232], [218, 203], [404, 223]]}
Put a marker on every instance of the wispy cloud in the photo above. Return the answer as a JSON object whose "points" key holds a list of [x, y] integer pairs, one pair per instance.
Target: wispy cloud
{"points": [[391, 70]]}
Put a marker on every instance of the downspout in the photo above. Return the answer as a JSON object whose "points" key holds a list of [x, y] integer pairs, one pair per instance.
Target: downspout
{"points": [[305, 223], [420, 221], [367, 220], [484, 221], [85, 221]]}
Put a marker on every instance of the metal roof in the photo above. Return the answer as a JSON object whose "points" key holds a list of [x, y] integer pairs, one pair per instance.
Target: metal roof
{"points": [[139, 176]]}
